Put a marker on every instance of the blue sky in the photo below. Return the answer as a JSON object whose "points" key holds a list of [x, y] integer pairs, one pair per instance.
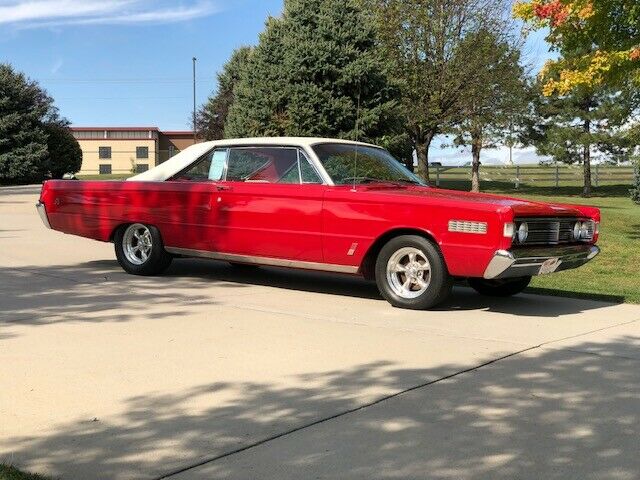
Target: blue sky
{"points": [[128, 62]]}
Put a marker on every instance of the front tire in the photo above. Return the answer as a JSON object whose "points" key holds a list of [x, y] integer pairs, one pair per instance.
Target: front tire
{"points": [[140, 251], [499, 287], [248, 267], [411, 273]]}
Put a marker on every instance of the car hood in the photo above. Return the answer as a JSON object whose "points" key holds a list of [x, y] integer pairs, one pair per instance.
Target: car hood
{"points": [[520, 207]]}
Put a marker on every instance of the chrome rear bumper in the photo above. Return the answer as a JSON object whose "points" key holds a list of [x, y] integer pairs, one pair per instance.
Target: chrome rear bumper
{"points": [[536, 261], [42, 211]]}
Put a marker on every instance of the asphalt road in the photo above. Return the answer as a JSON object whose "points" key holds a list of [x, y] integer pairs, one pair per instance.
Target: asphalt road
{"points": [[209, 372]]}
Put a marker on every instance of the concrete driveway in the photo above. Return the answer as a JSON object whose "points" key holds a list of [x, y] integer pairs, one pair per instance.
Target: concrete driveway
{"points": [[209, 372]]}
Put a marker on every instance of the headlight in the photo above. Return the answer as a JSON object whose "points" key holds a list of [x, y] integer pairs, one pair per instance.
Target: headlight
{"points": [[576, 230], [584, 231], [523, 232]]}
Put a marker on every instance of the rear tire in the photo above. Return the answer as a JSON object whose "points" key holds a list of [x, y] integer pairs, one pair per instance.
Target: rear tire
{"points": [[500, 287], [411, 273], [244, 266], [140, 250]]}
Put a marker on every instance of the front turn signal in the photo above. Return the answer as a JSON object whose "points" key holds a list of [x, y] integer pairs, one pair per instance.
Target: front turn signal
{"points": [[509, 230]]}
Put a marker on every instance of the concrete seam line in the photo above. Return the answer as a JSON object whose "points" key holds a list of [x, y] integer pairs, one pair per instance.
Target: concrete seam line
{"points": [[439, 333], [340, 414], [589, 332]]}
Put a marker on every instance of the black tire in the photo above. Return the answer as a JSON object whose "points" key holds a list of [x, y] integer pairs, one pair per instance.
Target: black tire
{"points": [[439, 284], [500, 287], [244, 266], [157, 261]]}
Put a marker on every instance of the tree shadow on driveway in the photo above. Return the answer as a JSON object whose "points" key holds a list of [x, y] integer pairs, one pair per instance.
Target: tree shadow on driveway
{"points": [[547, 413]]}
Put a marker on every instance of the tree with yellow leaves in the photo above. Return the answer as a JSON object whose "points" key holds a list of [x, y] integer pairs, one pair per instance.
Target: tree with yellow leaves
{"points": [[598, 41]]}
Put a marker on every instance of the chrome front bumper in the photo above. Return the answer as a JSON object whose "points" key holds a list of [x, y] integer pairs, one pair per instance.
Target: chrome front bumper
{"points": [[42, 211], [538, 261]]}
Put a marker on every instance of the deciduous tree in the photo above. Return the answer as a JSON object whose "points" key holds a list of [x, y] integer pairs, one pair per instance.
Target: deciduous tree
{"points": [[598, 41], [435, 69], [496, 101]]}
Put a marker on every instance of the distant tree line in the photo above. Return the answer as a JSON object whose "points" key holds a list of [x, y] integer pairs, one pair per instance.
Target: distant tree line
{"points": [[35, 141], [400, 72]]}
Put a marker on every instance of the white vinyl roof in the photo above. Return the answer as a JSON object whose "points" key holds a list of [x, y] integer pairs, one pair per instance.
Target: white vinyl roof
{"points": [[189, 155]]}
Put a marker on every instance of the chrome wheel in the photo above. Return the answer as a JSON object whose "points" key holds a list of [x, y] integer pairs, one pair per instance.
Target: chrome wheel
{"points": [[137, 243], [408, 272]]}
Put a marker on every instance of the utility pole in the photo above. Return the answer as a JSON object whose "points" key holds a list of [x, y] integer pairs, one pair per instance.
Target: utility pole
{"points": [[194, 101]]}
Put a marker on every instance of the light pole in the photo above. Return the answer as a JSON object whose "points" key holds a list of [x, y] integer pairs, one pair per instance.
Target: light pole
{"points": [[194, 101]]}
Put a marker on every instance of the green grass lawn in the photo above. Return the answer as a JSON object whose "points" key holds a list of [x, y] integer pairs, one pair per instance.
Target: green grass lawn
{"points": [[113, 176], [612, 275], [11, 473]]}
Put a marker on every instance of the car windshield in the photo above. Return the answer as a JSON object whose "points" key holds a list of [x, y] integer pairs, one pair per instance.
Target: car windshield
{"points": [[347, 164]]}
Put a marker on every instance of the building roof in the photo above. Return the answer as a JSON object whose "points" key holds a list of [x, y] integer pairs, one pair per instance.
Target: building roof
{"points": [[177, 132], [115, 129]]}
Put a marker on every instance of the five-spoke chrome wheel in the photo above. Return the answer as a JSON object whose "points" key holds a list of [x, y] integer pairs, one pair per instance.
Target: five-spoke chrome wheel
{"points": [[408, 272], [137, 243], [411, 273]]}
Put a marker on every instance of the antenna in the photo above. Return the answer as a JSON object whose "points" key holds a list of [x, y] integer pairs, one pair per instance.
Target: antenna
{"points": [[355, 158]]}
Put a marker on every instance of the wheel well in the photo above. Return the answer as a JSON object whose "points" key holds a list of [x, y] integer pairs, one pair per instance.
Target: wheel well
{"points": [[118, 227], [368, 266]]}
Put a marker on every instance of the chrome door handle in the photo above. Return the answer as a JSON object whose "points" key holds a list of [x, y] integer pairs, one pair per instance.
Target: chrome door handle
{"points": [[223, 187]]}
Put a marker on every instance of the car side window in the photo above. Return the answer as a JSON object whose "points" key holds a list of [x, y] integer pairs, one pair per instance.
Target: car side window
{"points": [[270, 165], [208, 168], [308, 173]]}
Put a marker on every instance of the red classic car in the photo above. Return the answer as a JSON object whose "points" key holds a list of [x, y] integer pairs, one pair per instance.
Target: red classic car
{"points": [[323, 204]]}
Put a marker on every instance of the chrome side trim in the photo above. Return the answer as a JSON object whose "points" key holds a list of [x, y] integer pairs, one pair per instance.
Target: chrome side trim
{"points": [[42, 211], [273, 262]]}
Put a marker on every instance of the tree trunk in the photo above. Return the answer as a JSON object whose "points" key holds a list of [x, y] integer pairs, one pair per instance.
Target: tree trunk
{"points": [[422, 150], [586, 163], [408, 162], [476, 147]]}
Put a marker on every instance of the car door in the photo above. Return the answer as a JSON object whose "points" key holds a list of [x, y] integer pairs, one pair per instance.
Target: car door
{"points": [[186, 205], [270, 204]]}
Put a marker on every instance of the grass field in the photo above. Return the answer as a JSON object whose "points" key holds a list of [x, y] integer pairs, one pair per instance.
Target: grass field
{"points": [[11, 473], [114, 176], [613, 275]]}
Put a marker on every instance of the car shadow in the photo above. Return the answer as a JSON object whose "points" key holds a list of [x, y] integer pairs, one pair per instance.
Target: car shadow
{"points": [[99, 291], [462, 298]]}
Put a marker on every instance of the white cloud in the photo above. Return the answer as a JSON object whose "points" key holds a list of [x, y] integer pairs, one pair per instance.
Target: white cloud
{"points": [[51, 13], [57, 66]]}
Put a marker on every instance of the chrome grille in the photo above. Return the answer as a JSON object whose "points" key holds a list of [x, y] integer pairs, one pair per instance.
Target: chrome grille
{"points": [[553, 231]]}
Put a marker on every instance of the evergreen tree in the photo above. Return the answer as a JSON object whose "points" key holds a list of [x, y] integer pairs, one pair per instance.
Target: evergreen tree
{"points": [[212, 116], [23, 141], [495, 100], [572, 127], [64, 152], [314, 72]]}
